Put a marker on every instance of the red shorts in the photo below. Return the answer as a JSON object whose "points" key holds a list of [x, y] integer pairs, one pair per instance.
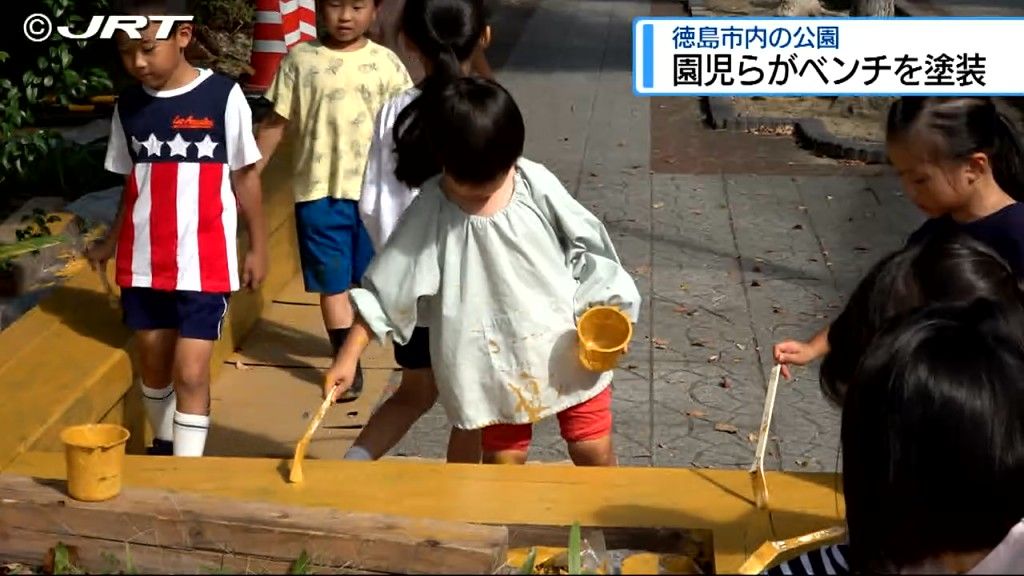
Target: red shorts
{"points": [[587, 421]]}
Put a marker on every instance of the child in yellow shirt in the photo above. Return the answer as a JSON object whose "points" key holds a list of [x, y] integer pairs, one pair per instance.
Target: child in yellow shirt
{"points": [[326, 95]]}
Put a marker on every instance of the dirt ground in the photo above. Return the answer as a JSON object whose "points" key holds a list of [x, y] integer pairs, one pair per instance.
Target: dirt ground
{"points": [[867, 123]]}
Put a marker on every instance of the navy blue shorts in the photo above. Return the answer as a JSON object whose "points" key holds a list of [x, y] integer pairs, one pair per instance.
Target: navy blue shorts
{"points": [[198, 315], [334, 248], [416, 354]]}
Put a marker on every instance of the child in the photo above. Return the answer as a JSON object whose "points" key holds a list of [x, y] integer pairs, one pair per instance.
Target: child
{"points": [[933, 449], [498, 260], [327, 93], [946, 267], [961, 163], [444, 35], [183, 138], [388, 32]]}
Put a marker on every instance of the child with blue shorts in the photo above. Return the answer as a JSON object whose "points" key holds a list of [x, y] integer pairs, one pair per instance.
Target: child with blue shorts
{"points": [[326, 95]]}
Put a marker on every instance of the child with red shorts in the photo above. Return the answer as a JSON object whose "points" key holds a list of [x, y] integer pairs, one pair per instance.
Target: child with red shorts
{"points": [[498, 260]]}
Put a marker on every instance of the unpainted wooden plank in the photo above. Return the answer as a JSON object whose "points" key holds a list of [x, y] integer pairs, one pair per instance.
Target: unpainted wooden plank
{"points": [[192, 523]]}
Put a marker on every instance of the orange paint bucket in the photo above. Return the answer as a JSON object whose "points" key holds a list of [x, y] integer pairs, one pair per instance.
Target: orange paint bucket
{"points": [[604, 333], [95, 460]]}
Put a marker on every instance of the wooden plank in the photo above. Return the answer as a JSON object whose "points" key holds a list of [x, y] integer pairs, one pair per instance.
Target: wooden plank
{"points": [[36, 514]]}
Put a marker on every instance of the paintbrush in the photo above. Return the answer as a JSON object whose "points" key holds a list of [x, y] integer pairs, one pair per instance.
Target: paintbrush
{"points": [[295, 475], [757, 468], [768, 552]]}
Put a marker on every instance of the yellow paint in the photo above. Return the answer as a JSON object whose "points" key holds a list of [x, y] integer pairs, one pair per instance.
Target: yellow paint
{"points": [[44, 391], [718, 500], [528, 401]]}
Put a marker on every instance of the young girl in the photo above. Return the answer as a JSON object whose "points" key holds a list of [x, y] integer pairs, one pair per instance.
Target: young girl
{"points": [[946, 267], [961, 163], [933, 449], [499, 261], [444, 35]]}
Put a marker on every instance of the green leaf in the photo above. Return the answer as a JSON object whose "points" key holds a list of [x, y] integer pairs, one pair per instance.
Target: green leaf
{"points": [[43, 63], [301, 565], [531, 559], [574, 552]]}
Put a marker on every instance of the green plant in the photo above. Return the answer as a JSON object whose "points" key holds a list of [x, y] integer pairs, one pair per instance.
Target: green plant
{"points": [[301, 565], [227, 15], [62, 563], [55, 72]]}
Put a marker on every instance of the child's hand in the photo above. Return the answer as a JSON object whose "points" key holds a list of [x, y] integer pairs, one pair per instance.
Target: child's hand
{"points": [[99, 252], [793, 352], [339, 378], [255, 270]]}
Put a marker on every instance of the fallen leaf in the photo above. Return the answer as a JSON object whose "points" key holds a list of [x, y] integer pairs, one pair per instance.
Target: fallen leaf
{"points": [[752, 438], [756, 269], [661, 344], [755, 284], [802, 208], [661, 445], [861, 248], [657, 205], [713, 358], [681, 309], [776, 310], [741, 346], [683, 287], [724, 383], [696, 414], [631, 366], [642, 270], [698, 344], [798, 227], [727, 428], [696, 212], [801, 463]]}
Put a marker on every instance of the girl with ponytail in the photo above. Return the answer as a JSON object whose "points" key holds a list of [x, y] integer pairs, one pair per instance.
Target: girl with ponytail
{"points": [[446, 36], [960, 161]]}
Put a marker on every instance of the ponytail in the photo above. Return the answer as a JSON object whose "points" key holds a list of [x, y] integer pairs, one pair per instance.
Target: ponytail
{"points": [[1008, 158], [446, 33]]}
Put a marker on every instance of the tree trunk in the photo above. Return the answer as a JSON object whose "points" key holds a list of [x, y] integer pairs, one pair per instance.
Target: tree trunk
{"points": [[873, 8], [799, 8]]}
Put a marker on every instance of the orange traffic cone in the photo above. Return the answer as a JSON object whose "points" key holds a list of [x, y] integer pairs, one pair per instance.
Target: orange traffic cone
{"points": [[298, 21], [268, 45]]}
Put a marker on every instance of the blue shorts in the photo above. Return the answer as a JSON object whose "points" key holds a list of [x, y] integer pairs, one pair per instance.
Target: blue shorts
{"points": [[334, 247], [198, 315]]}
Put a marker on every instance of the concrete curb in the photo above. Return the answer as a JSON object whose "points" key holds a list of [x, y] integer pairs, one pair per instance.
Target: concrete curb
{"points": [[810, 133]]}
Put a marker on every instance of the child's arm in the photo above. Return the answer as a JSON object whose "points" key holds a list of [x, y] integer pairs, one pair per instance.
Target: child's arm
{"points": [[119, 161], [283, 95], [342, 372], [801, 353], [589, 250], [269, 135], [249, 191], [243, 159]]}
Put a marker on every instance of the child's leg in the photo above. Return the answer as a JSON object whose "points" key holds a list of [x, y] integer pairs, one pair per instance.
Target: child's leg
{"points": [[386, 427], [333, 259], [151, 315], [506, 443], [587, 429], [415, 396], [464, 446], [201, 316]]}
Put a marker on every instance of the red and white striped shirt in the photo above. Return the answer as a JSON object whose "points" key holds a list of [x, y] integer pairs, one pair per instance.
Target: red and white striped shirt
{"points": [[178, 148]]}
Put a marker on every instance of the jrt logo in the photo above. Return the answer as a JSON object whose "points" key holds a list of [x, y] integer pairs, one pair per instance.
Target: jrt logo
{"points": [[39, 27]]}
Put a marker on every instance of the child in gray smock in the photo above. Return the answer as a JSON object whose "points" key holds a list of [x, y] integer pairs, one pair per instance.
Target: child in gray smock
{"points": [[499, 261]]}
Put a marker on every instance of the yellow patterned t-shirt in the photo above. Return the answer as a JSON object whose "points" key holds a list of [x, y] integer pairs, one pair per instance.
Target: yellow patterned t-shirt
{"points": [[330, 99]]}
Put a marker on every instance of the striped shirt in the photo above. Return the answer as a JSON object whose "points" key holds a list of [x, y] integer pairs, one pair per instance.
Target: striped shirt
{"points": [[830, 561], [178, 149]]}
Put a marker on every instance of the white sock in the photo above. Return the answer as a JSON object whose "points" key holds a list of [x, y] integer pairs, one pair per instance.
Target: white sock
{"points": [[190, 434], [357, 452], [160, 404]]}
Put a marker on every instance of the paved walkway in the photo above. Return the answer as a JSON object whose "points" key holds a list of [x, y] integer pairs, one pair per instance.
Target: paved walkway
{"points": [[736, 241]]}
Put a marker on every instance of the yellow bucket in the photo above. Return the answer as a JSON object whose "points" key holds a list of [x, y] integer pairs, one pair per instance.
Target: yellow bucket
{"points": [[95, 460], [604, 333]]}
